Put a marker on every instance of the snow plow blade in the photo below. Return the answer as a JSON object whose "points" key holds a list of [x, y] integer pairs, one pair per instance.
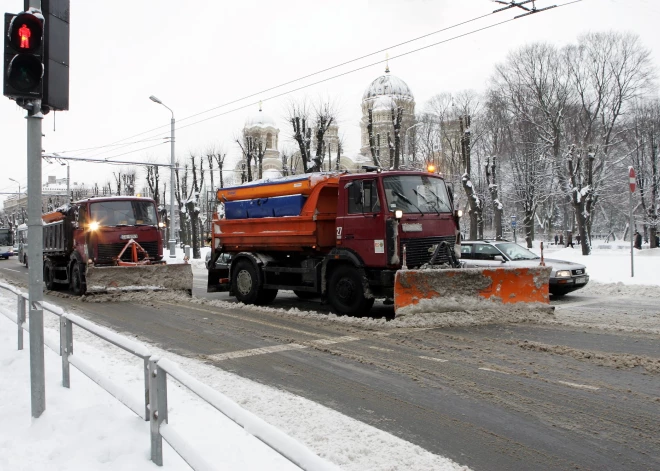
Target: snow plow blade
{"points": [[496, 285], [173, 277]]}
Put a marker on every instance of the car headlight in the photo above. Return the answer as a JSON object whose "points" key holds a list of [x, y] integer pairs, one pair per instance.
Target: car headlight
{"points": [[563, 274]]}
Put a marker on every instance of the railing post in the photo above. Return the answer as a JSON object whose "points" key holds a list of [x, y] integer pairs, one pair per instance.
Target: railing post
{"points": [[66, 348], [146, 388], [20, 318], [157, 408]]}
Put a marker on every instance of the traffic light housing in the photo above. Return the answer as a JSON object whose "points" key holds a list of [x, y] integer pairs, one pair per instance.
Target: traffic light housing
{"points": [[23, 61]]}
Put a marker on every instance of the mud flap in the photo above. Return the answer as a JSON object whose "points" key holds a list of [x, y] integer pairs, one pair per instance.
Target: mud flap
{"points": [[498, 285], [173, 277]]}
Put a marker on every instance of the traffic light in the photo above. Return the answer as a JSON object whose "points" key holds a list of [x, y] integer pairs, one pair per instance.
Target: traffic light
{"points": [[23, 65]]}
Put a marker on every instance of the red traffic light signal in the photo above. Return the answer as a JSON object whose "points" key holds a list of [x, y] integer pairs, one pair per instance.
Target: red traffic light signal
{"points": [[26, 33], [23, 61]]}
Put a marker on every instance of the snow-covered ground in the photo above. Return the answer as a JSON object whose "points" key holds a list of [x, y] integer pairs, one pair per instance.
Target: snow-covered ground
{"points": [[86, 428]]}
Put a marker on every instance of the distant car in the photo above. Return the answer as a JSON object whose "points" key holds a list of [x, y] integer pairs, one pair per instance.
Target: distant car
{"points": [[222, 262], [564, 278]]}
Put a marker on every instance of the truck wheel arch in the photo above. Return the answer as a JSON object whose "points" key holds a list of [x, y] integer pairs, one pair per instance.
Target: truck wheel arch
{"points": [[338, 257]]}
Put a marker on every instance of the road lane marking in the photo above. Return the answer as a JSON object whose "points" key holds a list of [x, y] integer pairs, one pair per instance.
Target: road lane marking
{"points": [[579, 386], [495, 371], [335, 340], [256, 351], [382, 349], [279, 348], [434, 359]]}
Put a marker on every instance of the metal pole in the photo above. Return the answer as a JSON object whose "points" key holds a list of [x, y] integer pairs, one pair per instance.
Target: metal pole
{"points": [[172, 241], [68, 190], [35, 256], [632, 263]]}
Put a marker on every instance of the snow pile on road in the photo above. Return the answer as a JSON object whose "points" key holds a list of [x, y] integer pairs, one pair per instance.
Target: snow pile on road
{"points": [[614, 360], [448, 312]]}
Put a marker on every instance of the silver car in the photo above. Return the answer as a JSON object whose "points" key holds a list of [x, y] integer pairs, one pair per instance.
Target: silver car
{"points": [[565, 276]]}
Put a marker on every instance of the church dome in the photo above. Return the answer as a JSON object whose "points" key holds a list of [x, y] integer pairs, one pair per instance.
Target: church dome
{"points": [[388, 85], [260, 120], [383, 103]]}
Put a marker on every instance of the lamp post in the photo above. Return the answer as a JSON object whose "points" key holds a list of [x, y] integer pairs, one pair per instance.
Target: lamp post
{"points": [[18, 200], [172, 241], [19, 187], [407, 143]]}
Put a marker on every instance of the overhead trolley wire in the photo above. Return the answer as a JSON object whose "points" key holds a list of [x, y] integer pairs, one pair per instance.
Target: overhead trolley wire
{"points": [[319, 81]]}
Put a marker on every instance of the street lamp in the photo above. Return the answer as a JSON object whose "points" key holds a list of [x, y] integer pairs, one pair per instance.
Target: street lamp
{"points": [[19, 187], [172, 241], [405, 134]]}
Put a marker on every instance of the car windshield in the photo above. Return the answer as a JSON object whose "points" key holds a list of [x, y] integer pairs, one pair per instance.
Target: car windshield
{"points": [[417, 194], [516, 252], [6, 237], [124, 213]]}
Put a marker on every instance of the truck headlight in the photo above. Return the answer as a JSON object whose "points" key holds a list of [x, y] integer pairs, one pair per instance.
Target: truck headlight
{"points": [[93, 226], [161, 224], [563, 274], [398, 214]]}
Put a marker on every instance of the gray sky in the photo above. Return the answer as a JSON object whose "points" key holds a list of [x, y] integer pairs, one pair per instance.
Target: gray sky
{"points": [[195, 59]]}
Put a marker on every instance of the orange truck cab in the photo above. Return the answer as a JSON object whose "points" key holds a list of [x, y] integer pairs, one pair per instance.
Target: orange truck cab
{"points": [[338, 236]]}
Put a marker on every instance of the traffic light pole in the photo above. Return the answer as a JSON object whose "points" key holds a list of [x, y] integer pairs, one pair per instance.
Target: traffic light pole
{"points": [[35, 260]]}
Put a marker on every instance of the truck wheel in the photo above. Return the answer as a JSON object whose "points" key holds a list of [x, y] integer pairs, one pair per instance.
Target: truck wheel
{"points": [[49, 276], [245, 282], [306, 294], [346, 293], [266, 296], [77, 280]]}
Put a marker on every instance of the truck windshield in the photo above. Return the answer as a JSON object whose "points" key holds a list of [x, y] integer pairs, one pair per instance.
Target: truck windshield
{"points": [[417, 194], [124, 213]]}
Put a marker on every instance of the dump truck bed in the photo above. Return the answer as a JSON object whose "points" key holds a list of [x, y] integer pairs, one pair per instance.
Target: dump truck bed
{"points": [[289, 233], [314, 228]]}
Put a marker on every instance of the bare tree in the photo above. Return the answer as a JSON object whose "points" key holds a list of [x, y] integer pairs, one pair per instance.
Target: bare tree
{"points": [[474, 201], [372, 140], [298, 116], [397, 117]]}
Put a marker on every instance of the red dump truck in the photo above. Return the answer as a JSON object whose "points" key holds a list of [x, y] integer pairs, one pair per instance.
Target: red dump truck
{"points": [[348, 238], [107, 243]]}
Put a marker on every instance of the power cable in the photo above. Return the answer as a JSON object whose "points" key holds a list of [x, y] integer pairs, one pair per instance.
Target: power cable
{"points": [[323, 80], [297, 79]]}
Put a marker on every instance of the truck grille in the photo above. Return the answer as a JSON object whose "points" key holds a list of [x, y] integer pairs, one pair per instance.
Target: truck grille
{"points": [[417, 250], [108, 252]]}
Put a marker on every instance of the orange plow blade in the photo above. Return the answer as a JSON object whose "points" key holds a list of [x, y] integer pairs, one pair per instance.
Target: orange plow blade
{"points": [[496, 285]]}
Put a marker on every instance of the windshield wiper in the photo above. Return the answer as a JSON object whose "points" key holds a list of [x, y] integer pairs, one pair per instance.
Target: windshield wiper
{"points": [[428, 203], [407, 201], [439, 200]]}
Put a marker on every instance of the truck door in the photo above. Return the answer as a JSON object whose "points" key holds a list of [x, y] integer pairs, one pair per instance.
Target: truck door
{"points": [[363, 226]]}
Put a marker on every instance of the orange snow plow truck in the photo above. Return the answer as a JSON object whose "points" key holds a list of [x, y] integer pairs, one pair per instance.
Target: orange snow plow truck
{"points": [[351, 239], [109, 244]]}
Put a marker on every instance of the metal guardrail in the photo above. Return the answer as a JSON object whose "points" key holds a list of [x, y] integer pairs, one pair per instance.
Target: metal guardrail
{"points": [[154, 406]]}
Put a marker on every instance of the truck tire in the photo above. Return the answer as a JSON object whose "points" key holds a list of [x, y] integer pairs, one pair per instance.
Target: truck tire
{"points": [[77, 280], [346, 293], [49, 276], [246, 284]]}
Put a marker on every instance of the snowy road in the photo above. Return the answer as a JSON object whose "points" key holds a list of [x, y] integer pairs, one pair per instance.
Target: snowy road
{"points": [[577, 391]]}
